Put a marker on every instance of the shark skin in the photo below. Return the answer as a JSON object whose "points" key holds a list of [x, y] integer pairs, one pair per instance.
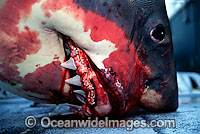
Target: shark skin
{"points": [[102, 57]]}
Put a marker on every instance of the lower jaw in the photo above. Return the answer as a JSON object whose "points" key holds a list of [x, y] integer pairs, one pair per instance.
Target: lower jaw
{"points": [[96, 97]]}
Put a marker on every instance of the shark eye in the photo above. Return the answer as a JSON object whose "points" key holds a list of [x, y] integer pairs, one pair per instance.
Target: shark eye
{"points": [[157, 34]]}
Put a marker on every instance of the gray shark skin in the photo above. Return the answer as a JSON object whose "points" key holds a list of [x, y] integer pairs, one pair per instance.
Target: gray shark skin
{"points": [[103, 57]]}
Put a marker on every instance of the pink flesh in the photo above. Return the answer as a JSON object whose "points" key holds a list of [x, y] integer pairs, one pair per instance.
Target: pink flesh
{"points": [[95, 92]]}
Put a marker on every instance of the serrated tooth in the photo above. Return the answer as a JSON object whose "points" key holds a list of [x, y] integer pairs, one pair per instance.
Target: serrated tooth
{"points": [[74, 80], [80, 92], [80, 98], [69, 64]]}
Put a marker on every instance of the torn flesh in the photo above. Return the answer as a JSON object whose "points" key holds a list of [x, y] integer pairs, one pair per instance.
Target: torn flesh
{"points": [[92, 93]]}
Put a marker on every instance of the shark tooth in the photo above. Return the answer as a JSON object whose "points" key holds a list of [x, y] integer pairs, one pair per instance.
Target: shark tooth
{"points": [[74, 81], [69, 64], [80, 98], [80, 92]]}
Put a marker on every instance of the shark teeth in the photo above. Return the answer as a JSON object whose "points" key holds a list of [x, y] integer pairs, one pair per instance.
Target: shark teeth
{"points": [[80, 98], [80, 92], [69, 64], [80, 95], [74, 81]]}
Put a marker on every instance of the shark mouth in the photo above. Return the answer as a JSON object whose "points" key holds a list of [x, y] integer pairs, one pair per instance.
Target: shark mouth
{"points": [[90, 85]]}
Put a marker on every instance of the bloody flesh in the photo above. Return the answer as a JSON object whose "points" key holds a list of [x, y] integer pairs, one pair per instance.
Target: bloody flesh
{"points": [[16, 44]]}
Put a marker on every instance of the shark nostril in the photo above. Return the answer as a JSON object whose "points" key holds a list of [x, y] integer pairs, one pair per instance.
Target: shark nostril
{"points": [[148, 82]]}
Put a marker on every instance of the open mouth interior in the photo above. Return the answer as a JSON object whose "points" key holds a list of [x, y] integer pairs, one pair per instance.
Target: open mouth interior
{"points": [[87, 81], [80, 71]]}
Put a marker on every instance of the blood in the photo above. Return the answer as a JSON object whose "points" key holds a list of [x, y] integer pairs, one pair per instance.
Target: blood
{"points": [[131, 73], [65, 75], [16, 44], [43, 23], [165, 81], [44, 79], [90, 81], [52, 5], [166, 51], [162, 86], [124, 61], [56, 57], [38, 65], [47, 14]]}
